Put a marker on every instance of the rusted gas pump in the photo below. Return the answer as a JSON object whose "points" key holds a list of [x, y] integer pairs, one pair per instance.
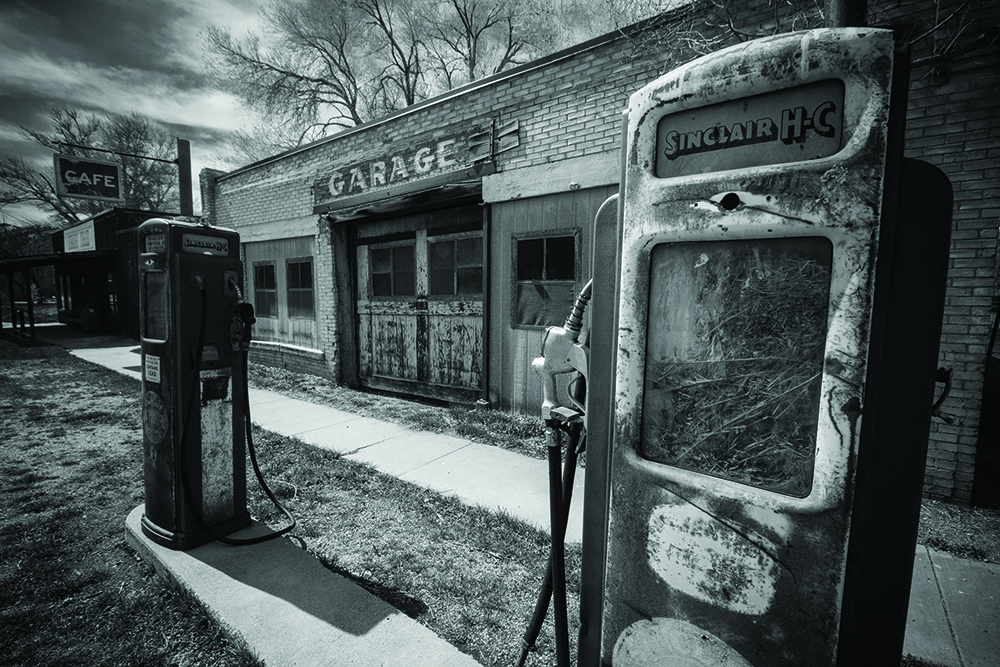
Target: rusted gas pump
{"points": [[193, 389], [781, 292]]}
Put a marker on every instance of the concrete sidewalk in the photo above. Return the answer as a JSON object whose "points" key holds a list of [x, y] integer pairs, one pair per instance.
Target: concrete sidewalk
{"points": [[954, 611]]}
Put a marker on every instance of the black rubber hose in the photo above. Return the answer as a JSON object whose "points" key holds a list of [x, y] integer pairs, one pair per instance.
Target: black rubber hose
{"points": [[545, 593], [553, 440]]}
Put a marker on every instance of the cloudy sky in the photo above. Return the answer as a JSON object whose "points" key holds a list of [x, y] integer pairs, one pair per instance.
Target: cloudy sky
{"points": [[103, 56]]}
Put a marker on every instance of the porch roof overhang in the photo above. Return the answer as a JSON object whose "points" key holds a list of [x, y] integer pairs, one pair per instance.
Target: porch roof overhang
{"points": [[58, 260], [455, 188]]}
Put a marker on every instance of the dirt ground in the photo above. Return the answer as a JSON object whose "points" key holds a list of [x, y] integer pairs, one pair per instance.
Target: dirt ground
{"points": [[71, 590]]}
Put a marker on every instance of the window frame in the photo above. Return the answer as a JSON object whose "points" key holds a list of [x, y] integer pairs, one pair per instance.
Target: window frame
{"points": [[272, 290], [573, 232], [300, 290], [389, 245], [454, 238]]}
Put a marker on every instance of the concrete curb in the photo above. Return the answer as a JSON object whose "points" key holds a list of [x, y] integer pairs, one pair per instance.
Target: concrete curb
{"points": [[289, 609]]}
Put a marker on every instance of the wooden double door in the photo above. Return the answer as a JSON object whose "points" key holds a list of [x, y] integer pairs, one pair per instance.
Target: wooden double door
{"points": [[420, 305]]}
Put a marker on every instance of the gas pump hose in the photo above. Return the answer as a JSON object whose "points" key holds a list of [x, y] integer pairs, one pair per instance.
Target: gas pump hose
{"points": [[199, 282]]}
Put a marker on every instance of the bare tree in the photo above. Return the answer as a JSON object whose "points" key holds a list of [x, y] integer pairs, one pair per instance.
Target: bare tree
{"points": [[397, 33], [312, 77], [323, 65], [144, 184], [469, 39], [330, 64]]}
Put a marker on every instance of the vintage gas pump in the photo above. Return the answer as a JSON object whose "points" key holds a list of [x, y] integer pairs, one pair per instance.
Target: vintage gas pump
{"points": [[780, 304], [192, 383]]}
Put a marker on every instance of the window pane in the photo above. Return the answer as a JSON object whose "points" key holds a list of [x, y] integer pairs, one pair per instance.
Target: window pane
{"points": [[381, 260], [560, 258], [263, 275], [442, 281], [266, 304], [300, 303], [470, 280], [734, 359], [530, 257], [265, 299], [381, 284], [402, 283], [300, 275], [402, 258], [470, 251], [441, 255]]}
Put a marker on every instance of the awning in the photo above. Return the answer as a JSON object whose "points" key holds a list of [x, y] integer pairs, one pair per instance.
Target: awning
{"points": [[444, 191]]}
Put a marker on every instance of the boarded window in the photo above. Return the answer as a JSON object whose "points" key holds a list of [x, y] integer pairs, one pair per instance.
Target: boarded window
{"points": [[300, 288], [545, 280], [456, 266], [265, 295], [393, 270]]}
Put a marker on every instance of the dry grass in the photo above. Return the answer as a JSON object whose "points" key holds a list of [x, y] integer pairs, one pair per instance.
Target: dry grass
{"points": [[738, 396], [71, 590]]}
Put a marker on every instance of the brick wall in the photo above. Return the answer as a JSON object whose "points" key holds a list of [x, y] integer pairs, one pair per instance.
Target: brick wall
{"points": [[954, 123], [288, 357]]}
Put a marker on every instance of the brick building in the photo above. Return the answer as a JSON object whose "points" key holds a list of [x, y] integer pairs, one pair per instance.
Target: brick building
{"points": [[426, 251]]}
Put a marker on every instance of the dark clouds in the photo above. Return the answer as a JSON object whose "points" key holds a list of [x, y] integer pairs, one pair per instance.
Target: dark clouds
{"points": [[102, 33], [116, 56]]}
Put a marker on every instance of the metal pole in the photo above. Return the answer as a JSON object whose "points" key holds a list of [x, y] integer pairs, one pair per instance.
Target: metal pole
{"points": [[31, 302], [846, 13], [184, 176]]}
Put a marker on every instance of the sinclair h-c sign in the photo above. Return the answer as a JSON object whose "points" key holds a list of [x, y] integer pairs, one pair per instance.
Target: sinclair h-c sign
{"points": [[85, 178]]}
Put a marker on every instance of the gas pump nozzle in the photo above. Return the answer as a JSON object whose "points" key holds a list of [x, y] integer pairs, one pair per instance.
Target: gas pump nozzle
{"points": [[241, 329], [562, 353]]}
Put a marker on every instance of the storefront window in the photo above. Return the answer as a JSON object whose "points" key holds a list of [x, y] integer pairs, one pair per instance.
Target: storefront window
{"points": [[734, 359], [545, 280], [265, 290], [300, 288]]}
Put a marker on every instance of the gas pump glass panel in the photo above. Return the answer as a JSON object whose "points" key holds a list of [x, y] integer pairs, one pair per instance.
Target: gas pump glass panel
{"points": [[734, 358], [156, 314]]}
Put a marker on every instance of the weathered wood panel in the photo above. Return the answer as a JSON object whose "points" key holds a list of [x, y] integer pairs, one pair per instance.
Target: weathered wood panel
{"points": [[417, 344], [281, 328], [455, 343], [514, 385]]}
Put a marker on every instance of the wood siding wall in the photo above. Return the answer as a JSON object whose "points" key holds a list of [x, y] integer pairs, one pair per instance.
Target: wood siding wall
{"points": [[301, 331], [514, 385]]}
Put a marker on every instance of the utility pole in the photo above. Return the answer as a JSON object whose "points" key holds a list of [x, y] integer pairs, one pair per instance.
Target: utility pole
{"points": [[846, 13], [184, 176]]}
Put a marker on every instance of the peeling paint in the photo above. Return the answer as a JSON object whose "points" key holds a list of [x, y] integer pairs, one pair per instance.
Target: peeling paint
{"points": [[218, 500], [667, 641], [700, 556]]}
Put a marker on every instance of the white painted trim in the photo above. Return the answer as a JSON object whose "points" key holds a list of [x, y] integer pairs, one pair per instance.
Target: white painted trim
{"points": [[262, 345], [592, 171], [273, 230]]}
